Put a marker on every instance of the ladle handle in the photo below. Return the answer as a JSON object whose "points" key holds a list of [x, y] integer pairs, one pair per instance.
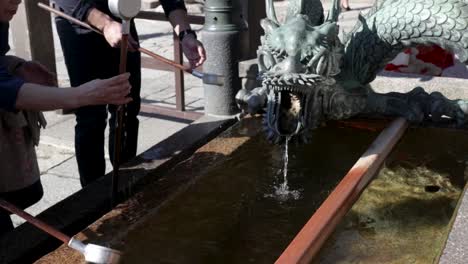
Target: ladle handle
{"points": [[34, 221], [142, 50], [69, 18], [165, 60], [120, 115]]}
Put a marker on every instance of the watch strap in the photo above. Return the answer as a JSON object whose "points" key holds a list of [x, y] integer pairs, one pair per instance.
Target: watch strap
{"points": [[186, 32]]}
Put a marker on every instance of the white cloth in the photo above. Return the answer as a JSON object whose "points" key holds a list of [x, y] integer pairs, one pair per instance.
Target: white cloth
{"points": [[19, 133]]}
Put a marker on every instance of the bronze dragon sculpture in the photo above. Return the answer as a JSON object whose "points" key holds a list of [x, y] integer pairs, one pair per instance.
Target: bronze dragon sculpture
{"points": [[309, 75]]}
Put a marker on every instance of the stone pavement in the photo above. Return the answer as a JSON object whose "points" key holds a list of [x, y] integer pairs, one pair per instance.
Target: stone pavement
{"points": [[56, 151]]}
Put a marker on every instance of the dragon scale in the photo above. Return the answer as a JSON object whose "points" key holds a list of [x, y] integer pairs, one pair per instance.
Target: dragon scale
{"points": [[310, 75]]}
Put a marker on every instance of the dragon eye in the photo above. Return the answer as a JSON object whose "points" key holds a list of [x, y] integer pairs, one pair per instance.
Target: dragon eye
{"points": [[266, 61]]}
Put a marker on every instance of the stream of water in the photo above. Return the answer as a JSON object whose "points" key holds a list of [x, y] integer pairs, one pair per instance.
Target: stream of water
{"points": [[282, 192]]}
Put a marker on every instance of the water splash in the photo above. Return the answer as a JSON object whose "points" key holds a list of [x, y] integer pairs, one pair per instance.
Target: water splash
{"points": [[282, 192]]}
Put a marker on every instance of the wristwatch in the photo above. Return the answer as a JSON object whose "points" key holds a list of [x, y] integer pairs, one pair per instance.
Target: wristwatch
{"points": [[186, 32]]}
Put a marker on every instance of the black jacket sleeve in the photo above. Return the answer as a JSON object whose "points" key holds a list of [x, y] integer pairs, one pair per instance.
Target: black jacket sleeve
{"points": [[80, 8], [171, 5], [9, 88]]}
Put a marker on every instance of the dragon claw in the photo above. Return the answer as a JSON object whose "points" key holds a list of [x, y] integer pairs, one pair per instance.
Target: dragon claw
{"points": [[441, 108]]}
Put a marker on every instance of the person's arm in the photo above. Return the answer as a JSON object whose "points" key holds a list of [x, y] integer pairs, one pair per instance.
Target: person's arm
{"points": [[79, 9], [9, 87], [171, 5], [111, 29], [42, 98], [15, 94], [193, 49], [88, 11], [28, 71], [11, 63], [179, 20], [33, 72]]}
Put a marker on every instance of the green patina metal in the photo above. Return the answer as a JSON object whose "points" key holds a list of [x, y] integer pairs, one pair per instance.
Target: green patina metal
{"points": [[221, 38], [310, 75], [223, 15]]}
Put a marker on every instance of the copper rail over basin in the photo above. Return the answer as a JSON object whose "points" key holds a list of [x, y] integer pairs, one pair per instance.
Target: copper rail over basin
{"points": [[320, 226]]}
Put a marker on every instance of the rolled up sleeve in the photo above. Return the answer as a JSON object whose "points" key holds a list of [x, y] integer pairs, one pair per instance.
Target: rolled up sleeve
{"points": [[78, 9], [171, 5], [9, 88]]}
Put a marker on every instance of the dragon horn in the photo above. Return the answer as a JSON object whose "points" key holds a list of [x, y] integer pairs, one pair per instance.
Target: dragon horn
{"points": [[334, 11], [270, 11]]}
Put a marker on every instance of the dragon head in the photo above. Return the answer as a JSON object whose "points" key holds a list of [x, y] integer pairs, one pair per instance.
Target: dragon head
{"points": [[297, 59]]}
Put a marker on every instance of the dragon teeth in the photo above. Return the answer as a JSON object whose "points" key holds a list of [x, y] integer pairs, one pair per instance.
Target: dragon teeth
{"points": [[286, 88]]}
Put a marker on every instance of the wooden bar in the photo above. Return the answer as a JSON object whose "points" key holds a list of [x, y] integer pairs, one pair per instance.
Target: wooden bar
{"points": [[179, 75], [178, 58], [313, 235], [41, 37], [158, 16], [150, 63], [149, 4], [170, 112]]}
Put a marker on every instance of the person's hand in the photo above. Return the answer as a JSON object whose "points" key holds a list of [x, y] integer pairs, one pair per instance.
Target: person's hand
{"points": [[113, 33], [34, 72], [107, 91], [193, 50]]}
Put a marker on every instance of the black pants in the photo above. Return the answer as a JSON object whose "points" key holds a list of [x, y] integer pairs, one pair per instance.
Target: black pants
{"points": [[22, 198], [88, 56]]}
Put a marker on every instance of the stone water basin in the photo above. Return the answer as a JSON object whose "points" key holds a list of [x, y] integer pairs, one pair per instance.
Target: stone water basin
{"points": [[220, 205]]}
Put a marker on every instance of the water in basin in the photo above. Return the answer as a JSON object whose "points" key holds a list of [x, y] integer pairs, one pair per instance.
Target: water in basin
{"points": [[404, 214], [230, 214]]}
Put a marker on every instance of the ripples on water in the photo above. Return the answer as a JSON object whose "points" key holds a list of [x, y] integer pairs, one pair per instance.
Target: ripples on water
{"points": [[225, 216], [248, 208]]}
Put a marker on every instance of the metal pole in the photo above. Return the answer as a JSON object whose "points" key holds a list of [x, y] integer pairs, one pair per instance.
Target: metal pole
{"points": [[220, 35]]}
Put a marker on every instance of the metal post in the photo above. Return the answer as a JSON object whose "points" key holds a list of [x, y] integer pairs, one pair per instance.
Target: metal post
{"points": [[220, 36]]}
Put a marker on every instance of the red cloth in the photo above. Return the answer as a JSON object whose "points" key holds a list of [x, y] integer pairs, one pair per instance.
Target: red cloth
{"points": [[430, 60]]}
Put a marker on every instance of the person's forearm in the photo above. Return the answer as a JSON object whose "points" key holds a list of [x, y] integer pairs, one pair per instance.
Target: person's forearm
{"points": [[179, 20], [43, 98], [98, 19], [11, 63]]}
